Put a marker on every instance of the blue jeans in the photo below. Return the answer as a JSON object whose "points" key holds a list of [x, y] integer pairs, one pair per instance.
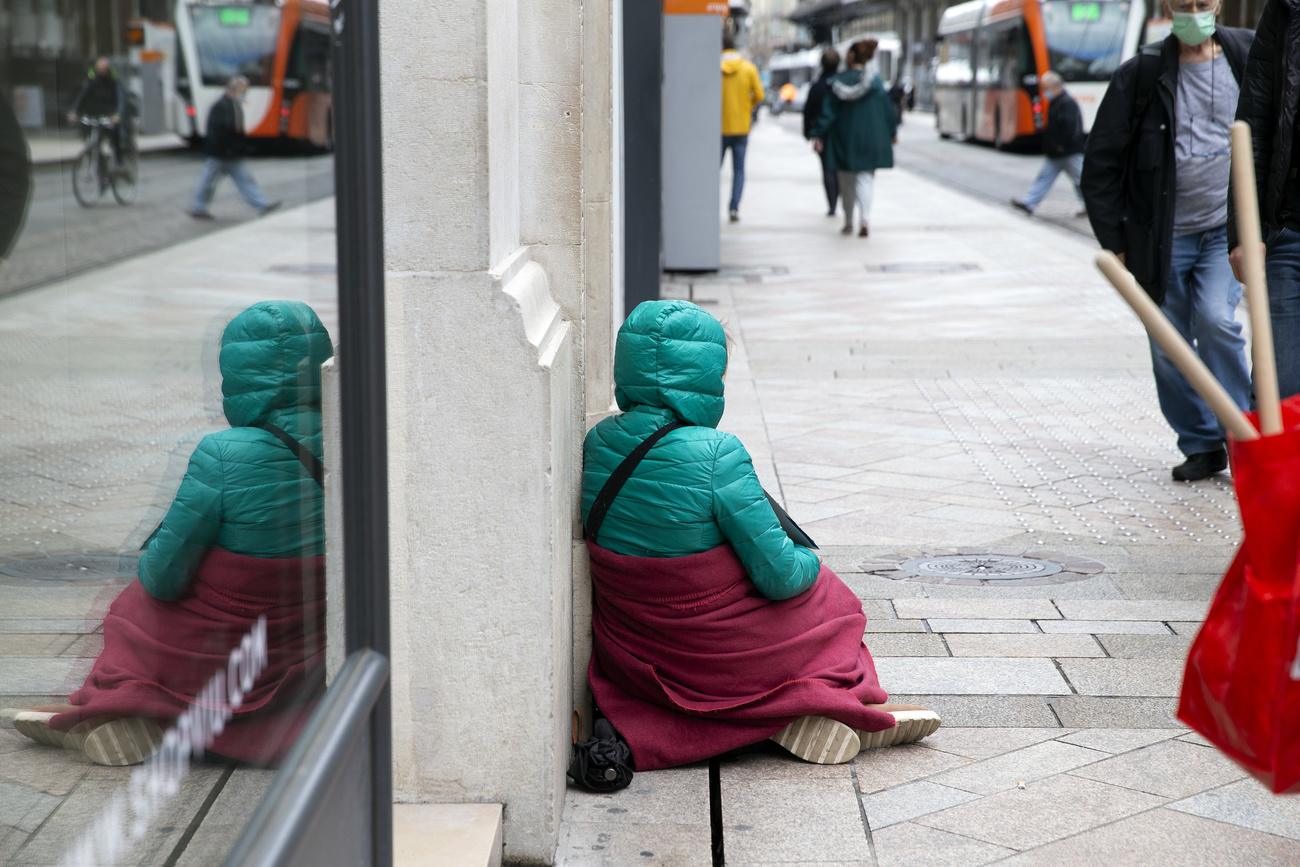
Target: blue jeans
{"points": [[1053, 166], [213, 169], [1282, 267], [737, 143], [1200, 300]]}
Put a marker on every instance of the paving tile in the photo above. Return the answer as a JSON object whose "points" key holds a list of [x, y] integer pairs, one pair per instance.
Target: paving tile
{"points": [[911, 845], [48, 769], [887, 626], [758, 817], [16, 627], [1189, 628], [588, 844], [38, 644], [19, 676], [984, 743], [1006, 771], [997, 627], [1195, 738], [892, 766], [1041, 812], [1172, 769], [1146, 646], [1084, 711], [1037, 645], [1167, 838], [977, 609], [1248, 804], [883, 644], [900, 803], [24, 807], [1120, 677], [995, 711], [922, 676], [770, 762], [1118, 740], [1103, 627], [226, 818], [1116, 609], [672, 796]]}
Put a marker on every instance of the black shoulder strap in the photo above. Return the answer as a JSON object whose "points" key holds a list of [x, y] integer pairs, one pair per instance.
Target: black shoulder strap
{"points": [[309, 460], [621, 474], [1148, 76]]}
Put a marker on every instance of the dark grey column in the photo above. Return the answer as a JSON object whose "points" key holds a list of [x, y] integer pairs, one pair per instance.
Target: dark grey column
{"points": [[643, 37]]}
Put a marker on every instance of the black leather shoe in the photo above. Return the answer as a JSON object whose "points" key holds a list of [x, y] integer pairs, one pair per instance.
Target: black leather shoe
{"points": [[1201, 465]]}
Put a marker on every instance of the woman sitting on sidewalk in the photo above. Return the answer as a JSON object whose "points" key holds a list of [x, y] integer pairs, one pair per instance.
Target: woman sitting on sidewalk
{"points": [[243, 540], [712, 630]]}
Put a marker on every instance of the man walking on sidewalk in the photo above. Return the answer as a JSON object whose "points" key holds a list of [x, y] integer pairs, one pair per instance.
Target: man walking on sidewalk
{"points": [[225, 144], [742, 91], [1063, 142], [1269, 104], [1155, 178]]}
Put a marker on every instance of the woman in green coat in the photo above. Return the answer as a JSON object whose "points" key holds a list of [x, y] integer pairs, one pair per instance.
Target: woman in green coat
{"points": [[234, 574], [712, 629], [857, 131]]}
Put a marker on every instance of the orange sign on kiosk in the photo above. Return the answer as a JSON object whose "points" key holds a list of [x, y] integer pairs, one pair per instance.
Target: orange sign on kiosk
{"points": [[696, 7]]}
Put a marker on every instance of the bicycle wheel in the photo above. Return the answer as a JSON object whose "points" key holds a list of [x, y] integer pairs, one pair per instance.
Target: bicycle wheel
{"points": [[126, 175], [85, 179]]}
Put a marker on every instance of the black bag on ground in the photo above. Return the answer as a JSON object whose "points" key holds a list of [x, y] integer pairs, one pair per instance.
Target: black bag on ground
{"points": [[603, 763]]}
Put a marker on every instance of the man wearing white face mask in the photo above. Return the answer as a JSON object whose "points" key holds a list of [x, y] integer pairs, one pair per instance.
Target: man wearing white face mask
{"points": [[1155, 180]]}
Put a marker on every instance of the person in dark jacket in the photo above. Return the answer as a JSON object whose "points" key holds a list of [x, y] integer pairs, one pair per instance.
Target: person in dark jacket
{"points": [[1155, 178], [225, 145], [1270, 94], [102, 95], [812, 112], [15, 179], [857, 130], [1063, 141]]}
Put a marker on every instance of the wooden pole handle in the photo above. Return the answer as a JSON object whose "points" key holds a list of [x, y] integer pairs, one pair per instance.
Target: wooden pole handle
{"points": [[1162, 331], [1252, 254]]}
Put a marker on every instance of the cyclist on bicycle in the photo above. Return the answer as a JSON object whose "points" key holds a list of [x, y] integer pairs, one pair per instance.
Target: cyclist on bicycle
{"points": [[102, 95]]}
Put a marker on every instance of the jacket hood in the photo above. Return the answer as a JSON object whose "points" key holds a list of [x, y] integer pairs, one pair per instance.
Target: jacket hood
{"points": [[852, 85], [270, 363], [732, 62], [672, 354]]}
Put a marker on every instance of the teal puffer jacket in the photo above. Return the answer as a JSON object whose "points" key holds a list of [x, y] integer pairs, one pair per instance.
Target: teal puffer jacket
{"points": [[244, 490], [696, 489]]}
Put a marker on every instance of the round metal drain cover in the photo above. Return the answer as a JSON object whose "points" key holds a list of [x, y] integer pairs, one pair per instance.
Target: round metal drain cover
{"points": [[987, 567], [80, 567]]}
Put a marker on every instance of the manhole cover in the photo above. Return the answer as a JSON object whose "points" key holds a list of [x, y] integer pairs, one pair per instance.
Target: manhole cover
{"points": [[988, 568], [924, 267], [81, 567]]}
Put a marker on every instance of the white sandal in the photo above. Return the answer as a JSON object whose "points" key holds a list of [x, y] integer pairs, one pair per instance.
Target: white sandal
{"points": [[910, 726]]}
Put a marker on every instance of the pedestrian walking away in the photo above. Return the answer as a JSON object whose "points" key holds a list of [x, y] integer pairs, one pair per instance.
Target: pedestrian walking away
{"points": [[1269, 100], [742, 91], [1063, 142], [812, 112], [226, 145], [857, 130], [1155, 179]]}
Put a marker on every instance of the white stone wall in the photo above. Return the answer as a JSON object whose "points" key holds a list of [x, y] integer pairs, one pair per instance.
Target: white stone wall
{"points": [[500, 211]]}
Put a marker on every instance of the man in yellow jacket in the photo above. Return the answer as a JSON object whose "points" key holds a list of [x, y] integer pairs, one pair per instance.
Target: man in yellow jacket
{"points": [[741, 93]]}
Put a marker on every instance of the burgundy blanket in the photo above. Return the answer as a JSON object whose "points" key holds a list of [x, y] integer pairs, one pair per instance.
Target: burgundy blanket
{"points": [[690, 660], [158, 655]]}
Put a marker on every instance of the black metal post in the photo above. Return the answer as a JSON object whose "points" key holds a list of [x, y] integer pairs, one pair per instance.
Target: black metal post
{"points": [[359, 213], [643, 60]]}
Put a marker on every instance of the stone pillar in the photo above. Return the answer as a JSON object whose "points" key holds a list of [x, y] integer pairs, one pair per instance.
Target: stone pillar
{"points": [[499, 216]]}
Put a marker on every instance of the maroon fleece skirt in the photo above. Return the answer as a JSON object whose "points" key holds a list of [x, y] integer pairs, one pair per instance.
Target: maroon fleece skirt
{"points": [[158, 655], [690, 660]]}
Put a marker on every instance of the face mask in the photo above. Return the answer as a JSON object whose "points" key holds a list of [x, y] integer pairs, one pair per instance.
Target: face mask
{"points": [[1193, 28]]}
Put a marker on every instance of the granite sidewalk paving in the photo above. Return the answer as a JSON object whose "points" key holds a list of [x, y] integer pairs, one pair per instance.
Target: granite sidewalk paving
{"points": [[960, 410]]}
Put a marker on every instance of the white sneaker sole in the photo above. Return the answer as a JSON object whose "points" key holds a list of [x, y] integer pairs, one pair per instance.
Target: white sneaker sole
{"points": [[819, 740], [912, 726], [127, 741], [35, 725]]}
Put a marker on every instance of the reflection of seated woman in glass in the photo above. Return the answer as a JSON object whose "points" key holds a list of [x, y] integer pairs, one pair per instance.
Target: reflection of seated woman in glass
{"points": [[243, 539], [712, 630]]}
